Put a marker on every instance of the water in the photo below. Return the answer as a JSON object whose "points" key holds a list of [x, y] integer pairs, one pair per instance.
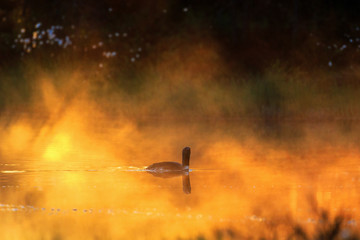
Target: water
{"points": [[246, 181]]}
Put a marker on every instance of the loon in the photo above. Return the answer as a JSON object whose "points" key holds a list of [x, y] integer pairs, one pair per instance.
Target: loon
{"points": [[172, 168]]}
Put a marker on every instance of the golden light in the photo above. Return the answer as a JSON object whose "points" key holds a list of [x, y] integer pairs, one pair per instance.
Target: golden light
{"points": [[79, 173], [16, 138], [58, 148]]}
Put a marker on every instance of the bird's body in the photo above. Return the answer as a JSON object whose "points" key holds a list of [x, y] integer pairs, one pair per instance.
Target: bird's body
{"points": [[166, 166]]}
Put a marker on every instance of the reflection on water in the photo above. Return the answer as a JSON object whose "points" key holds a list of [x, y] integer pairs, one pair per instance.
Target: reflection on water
{"points": [[169, 174], [245, 182]]}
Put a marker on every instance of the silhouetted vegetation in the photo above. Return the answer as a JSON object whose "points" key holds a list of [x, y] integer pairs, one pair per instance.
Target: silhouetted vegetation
{"points": [[326, 228]]}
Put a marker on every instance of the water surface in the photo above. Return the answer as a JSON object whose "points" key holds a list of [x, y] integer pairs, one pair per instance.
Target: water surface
{"points": [[247, 180]]}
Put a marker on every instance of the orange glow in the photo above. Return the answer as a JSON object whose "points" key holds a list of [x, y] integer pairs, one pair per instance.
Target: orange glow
{"points": [[58, 148], [17, 137], [75, 172], [230, 184]]}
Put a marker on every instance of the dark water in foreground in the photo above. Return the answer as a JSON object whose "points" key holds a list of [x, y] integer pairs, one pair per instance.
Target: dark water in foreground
{"points": [[246, 181]]}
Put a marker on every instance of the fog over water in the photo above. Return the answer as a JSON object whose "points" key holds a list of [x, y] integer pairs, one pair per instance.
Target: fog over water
{"points": [[76, 172], [265, 94], [73, 158]]}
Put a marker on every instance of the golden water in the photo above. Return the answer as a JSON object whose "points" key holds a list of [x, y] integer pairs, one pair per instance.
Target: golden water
{"points": [[69, 181]]}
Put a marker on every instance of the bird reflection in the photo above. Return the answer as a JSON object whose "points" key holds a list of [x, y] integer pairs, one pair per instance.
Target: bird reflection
{"points": [[174, 169]]}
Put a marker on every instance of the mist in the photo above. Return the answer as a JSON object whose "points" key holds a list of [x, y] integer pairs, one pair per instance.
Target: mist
{"points": [[91, 94]]}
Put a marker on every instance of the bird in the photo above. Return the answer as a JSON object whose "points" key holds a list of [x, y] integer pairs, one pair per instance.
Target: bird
{"points": [[174, 169], [171, 169]]}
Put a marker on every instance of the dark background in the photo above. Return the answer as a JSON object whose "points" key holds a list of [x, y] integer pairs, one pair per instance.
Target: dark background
{"points": [[264, 59], [252, 34]]}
